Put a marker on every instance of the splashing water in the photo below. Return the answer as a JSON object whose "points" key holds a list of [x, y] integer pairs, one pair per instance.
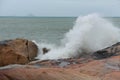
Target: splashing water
{"points": [[90, 33]]}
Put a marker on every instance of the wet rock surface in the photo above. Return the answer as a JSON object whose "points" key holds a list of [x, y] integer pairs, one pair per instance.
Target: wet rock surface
{"points": [[107, 52], [63, 63], [45, 50]]}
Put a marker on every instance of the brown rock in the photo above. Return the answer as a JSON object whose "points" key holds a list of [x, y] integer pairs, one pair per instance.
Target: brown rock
{"points": [[18, 51], [91, 70], [112, 76], [72, 69], [29, 73]]}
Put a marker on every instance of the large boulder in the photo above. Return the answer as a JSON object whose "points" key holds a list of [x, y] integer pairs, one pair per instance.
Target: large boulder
{"points": [[17, 51]]}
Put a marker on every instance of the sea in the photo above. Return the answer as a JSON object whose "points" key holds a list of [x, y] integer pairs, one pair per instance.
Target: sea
{"points": [[72, 36], [41, 29]]}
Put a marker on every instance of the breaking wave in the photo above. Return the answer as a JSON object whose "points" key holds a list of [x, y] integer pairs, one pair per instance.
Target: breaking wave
{"points": [[89, 33]]}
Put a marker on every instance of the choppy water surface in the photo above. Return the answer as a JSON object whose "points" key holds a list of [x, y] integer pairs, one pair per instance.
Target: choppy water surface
{"points": [[40, 29]]}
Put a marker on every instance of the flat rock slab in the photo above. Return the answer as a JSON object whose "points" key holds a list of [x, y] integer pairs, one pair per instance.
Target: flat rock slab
{"points": [[92, 70]]}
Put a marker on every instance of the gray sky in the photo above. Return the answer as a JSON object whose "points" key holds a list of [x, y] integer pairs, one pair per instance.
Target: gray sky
{"points": [[59, 7]]}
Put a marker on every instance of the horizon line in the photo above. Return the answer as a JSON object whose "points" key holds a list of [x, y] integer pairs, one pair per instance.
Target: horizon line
{"points": [[52, 16]]}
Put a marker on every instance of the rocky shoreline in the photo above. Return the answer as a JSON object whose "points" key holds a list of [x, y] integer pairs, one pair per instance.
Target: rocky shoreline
{"points": [[17, 63]]}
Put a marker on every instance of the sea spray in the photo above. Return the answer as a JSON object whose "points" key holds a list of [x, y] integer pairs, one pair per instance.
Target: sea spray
{"points": [[90, 33], [42, 45]]}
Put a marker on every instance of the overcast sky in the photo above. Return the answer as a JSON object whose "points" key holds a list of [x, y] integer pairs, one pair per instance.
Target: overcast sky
{"points": [[59, 7]]}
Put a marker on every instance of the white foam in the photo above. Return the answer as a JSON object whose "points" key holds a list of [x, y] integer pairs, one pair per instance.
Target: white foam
{"points": [[90, 33]]}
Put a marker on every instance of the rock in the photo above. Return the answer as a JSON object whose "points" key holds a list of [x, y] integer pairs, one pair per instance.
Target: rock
{"points": [[59, 62], [107, 52], [112, 76], [66, 69], [45, 50], [91, 70], [17, 51], [32, 73]]}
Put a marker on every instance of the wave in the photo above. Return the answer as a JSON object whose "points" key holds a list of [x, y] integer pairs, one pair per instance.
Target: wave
{"points": [[89, 33]]}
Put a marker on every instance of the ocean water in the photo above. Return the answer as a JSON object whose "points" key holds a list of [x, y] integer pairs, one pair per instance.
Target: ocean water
{"points": [[41, 29], [65, 36]]}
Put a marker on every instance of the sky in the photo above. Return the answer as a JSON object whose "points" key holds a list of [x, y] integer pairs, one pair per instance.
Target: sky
{"points": [[59, 7]]}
